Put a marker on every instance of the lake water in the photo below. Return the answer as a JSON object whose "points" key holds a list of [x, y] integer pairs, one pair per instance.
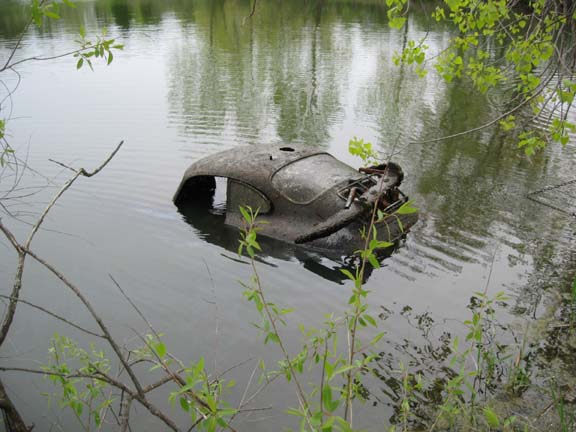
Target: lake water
{"points": [[197, 77]]}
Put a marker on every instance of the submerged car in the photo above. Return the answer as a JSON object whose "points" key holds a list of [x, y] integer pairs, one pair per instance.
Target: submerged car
{"points": [[306, 196]]}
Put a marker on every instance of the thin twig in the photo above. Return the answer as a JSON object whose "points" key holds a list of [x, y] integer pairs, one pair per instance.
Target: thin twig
{"points": [[54, 315], [253, 9], [18, 42]]}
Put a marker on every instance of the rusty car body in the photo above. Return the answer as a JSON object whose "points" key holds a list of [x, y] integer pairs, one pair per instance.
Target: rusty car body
{"points": [[306, 196]]}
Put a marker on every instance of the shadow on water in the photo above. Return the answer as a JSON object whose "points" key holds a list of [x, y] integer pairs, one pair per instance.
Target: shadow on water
{"points": [[207, 217]]}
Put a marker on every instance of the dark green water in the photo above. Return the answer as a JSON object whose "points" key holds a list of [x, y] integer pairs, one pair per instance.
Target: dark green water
{"points": [[197, 77]]}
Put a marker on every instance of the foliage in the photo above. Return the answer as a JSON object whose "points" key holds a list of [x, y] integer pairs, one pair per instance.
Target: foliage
{"points": [[75, 371], [414, 53], [215, 411], [528, 46], [198, 394], [86, 388], [5, 149], [362, 149], [101, 48]]}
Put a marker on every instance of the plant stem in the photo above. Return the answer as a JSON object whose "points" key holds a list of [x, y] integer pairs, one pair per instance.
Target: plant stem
{"points": [[356, 314], [301, 395]]}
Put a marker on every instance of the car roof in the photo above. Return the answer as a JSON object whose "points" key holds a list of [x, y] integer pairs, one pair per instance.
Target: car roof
{"points": [[254, 164]]}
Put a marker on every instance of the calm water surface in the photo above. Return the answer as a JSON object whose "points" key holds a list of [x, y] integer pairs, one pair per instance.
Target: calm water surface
{"points": [[197, 77]]}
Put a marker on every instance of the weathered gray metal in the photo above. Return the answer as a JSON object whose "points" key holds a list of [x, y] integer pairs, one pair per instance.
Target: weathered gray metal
{"points": [[301, 194]]}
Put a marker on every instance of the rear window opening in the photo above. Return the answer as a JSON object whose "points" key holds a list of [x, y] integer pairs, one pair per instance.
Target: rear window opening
{"points": [[204, 192], [220, 195]]}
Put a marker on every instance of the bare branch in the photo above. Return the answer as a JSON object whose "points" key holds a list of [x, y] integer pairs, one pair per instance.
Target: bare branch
{"points": [[138, 311], [21, 250], [18, 42], [54, 315], [125, 413], [13, 420], [66, 54], [107, 379], [97, 170], [253, 9], [11, 238], [63, 165]]}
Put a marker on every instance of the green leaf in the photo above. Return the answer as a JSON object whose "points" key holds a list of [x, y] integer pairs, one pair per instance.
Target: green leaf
{"points": [[160, 349], [79, 408], [294, 412], [97, 419], [357, 147], [185, 404], [374, 261], [51, 15], [380, 244], [110, 58], [245, 214], [406, 208], [343, 369], [80, 63], [36, 13], [491, 418], [221, 422], [273, 337], [397, 22], [376, 338], [199, 368], [327, 395], [348, 274], [371, 320]]}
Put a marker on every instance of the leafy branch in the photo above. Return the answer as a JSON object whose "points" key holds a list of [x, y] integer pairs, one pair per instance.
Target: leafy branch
{"points": [[530, 46]]}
